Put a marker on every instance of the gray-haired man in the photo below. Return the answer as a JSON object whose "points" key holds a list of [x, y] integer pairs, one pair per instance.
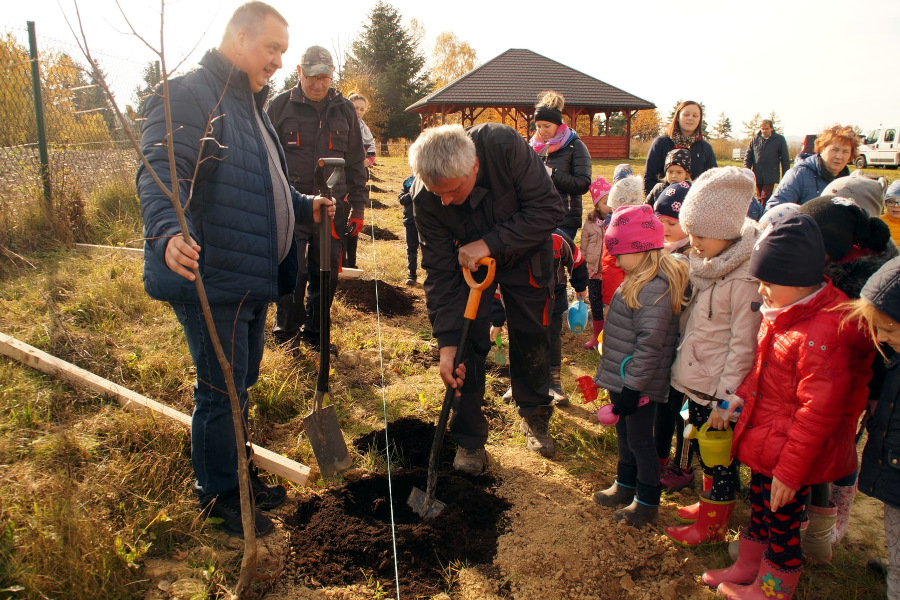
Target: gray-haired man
{"points": [[479, 193]]}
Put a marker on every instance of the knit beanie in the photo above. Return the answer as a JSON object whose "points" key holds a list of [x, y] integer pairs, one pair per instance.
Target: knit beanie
{"points": [[893, 190], [844, 225], [671, 200], [627, 192], [790, 252], [548, 113], [883, 289], [717, 203], [866, 191], [599, 188], [622, 171], [679, 157], [778, 213], [633, 229]]}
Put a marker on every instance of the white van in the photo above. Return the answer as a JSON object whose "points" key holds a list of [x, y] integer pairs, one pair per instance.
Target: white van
{"points": [[881, 147]]}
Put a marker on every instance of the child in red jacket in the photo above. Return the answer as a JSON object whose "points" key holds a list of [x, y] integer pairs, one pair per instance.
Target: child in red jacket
{"points": [[801, 402]]}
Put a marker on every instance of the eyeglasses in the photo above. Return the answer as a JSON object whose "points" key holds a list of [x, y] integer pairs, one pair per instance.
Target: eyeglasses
{"points": [[893, 202]]}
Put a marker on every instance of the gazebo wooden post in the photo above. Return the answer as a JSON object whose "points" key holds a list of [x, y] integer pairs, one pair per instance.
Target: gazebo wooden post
{"points": [[627, 114]]}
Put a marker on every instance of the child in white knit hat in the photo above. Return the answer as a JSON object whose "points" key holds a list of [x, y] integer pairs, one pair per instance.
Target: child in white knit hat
{"points": [[628, 191], [719, 340]]}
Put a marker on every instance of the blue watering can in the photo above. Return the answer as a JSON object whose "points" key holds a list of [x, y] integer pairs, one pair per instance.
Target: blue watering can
{"points": [[578, 315]]}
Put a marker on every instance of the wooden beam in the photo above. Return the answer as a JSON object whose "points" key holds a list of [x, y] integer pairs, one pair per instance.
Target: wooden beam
{"points": [[96, 247], [55, 367]]}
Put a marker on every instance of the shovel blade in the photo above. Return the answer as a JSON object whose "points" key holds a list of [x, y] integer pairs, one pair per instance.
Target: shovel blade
{"points": [[424, 506], [327, 441]]}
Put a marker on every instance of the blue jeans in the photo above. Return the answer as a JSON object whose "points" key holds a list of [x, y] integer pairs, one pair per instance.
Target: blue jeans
{"points": [[213, 448]]}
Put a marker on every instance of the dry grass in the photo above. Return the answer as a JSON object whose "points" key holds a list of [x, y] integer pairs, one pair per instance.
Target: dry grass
{"points": [[87, 493]]}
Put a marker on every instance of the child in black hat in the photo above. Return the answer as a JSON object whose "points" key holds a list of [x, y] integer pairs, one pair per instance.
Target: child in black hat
{"points": [[856, 246], [801, 402], [677, 169]]}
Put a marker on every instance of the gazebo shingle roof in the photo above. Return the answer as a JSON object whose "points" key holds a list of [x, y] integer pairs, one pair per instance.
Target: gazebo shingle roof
{"points": [[517, 77]]}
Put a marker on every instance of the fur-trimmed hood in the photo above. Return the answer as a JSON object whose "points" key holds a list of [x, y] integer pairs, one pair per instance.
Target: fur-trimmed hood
{"points": [[850, 274]]}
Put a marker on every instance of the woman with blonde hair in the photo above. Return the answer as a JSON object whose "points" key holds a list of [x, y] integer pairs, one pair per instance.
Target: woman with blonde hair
{"points": [[565, 156], [639, 340]]}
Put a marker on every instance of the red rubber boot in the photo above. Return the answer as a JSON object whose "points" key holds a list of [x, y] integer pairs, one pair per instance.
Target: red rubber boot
{"points": [[770, 583], [690, 514], [710, 528], [744, 570]]}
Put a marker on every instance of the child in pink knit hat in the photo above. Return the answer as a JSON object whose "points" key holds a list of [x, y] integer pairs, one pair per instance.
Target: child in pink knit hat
{"points": [[639, 340], [592, 249]]}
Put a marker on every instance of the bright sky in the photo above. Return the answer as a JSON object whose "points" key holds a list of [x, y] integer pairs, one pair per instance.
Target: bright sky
{"points": [[815, 62]]}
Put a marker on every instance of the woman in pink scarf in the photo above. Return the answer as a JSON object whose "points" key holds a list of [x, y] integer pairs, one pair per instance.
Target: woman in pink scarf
{"points": [[565, 156]]}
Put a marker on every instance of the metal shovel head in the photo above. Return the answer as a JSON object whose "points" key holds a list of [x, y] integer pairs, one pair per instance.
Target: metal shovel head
{"points": [[327, 441], [424, 506]]}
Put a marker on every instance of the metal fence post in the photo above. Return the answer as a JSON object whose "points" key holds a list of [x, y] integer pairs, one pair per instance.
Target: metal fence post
{"points": [[39, 115]]}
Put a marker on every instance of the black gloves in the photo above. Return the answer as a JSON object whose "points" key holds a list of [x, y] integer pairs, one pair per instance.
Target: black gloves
{"points": [[626, 402]]}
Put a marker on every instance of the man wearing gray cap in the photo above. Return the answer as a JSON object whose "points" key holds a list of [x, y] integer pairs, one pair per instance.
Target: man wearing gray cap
{"points": [[313, 121]]}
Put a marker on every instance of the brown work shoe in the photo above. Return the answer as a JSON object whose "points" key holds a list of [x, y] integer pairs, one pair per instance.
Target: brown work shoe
{"points": [[471, 462], [536, 428]]}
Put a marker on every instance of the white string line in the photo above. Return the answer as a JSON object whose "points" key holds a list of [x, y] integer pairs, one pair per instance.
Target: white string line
{"points": [[387, 439]]}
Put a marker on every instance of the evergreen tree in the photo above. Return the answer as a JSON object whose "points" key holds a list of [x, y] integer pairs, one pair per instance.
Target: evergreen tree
{"points": [[776, 120], [151, 76], [391, 56], [290, 81], [752, 126], [723, 127]]}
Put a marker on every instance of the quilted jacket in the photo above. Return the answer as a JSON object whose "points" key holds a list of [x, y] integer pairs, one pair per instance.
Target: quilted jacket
{"points": [[639, 345], [231, 214], [805, 393], [803, 182]]}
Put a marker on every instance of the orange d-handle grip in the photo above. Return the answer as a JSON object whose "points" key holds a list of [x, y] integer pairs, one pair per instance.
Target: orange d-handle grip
{"points": [[476, 287]]}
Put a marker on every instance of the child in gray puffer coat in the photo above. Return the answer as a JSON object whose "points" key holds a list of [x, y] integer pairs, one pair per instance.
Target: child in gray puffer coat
{"points": [[639, 339]]}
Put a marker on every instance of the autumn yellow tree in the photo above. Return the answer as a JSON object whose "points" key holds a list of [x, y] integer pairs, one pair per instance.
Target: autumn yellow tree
{"points": [[451, 59], [646, 125], [16, 106], [363, 83]]}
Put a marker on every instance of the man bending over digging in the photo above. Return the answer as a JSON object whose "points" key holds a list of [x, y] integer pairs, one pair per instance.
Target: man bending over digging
{"points": [[484, 193]]}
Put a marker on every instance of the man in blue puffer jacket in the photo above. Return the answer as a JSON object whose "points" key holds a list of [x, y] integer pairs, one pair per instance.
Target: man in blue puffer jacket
{"points": [[240, 215]]}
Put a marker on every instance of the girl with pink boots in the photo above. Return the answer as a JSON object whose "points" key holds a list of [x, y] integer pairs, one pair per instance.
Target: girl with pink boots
{"points": [[719, 340], [801, 401]]}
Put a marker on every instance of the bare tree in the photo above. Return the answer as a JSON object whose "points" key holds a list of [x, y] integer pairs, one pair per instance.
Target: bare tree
{"points": [[248, 572]]}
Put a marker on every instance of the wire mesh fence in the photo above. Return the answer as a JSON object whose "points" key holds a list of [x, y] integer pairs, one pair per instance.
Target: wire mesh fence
{"points": [[85, 143]]}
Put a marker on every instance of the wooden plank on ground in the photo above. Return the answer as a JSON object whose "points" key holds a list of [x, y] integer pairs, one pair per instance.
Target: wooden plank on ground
{"points": [[348, 273], [96, 247], [47, 363]]}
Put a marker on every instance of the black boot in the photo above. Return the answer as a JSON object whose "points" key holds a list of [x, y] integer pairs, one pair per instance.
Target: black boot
{"points": [[622, 490], [645, 508]]}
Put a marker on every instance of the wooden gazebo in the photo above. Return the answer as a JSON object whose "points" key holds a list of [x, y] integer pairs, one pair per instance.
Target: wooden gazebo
{"points": [[511, 83]]}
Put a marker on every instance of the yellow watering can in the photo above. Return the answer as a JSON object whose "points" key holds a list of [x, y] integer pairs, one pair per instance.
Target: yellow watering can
{"points": [[715, 445]]}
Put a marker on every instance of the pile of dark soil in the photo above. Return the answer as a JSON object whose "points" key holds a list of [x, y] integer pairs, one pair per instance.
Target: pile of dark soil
{"points": [[392, 301], [344, 536], [380, 234], [376, 203], [410, 443]]}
